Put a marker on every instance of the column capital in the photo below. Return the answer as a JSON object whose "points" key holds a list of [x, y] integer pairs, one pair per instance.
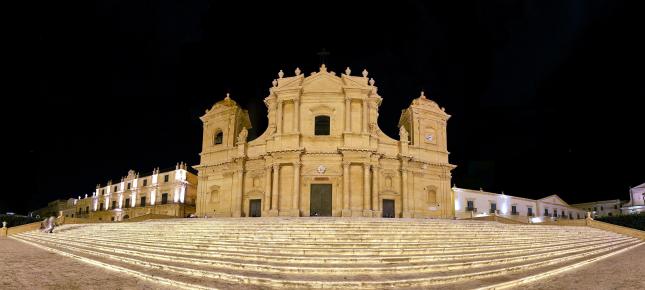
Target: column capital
{"points": [[276, 166], [346, 163], [366, 165]]}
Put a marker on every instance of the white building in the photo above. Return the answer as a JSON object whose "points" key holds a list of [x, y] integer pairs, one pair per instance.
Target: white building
{"points": [[636, 202], [476, 203]]}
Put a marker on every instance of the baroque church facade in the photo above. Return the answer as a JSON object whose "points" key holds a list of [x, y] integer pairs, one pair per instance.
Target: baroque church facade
{"points": [[323, 154]]}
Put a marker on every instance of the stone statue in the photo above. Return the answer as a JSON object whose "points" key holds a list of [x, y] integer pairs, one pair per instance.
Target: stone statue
{"points": [[241, 138], [49, 225], [403, 134]]}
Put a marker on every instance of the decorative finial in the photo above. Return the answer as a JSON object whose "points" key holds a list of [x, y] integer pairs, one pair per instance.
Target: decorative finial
{"points": [[443, 109], [280, 74], [241, 138], [297, 71], [423, 96], [372, 82], [228, 96], [348, 71], [275, 83], [364, 73], [323, 68]]}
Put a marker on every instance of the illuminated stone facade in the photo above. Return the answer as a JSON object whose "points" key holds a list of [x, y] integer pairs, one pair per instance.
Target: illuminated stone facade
{"points": [[323, 154], [169, 192]]}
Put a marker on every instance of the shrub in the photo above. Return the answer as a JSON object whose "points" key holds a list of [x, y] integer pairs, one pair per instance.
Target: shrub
{"points": [[635, 221]]}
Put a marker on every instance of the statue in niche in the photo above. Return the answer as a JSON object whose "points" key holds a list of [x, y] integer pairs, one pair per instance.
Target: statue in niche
{"points": [[241, 138], [403, 134]]}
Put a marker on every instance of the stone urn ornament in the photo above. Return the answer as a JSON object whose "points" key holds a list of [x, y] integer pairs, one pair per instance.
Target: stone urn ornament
{"points": [[4, 224]]}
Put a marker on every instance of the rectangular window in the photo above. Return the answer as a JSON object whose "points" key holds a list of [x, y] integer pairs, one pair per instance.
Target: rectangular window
{"points": [[321, 125], [493, 207], [101, 207], [113, 204], [165, 178], [128, 185], [602, 208], [127, 202], [143, 201], [87, 209], [164, 198], [102, 191], [546, 212], [145, 182], [529, 211], [615, 206], [470, 205], [513, 209], [115, 188]]}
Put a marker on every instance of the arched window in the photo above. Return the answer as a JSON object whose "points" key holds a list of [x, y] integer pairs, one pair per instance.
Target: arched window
{"points": [[219, 138], [321, 126]]}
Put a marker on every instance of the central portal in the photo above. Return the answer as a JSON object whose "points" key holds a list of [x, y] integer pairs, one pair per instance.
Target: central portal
{"points": [[320, 200]]}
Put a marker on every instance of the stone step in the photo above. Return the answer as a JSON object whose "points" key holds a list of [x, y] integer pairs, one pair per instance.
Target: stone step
{"points": [[333, 242], [299, 249], [440, 254], [327, 259], [176, 274], [409, 268]]}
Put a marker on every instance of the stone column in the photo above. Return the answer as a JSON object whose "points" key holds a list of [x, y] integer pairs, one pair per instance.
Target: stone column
{"points": [[365, 116], [275, 195], [296, 115], [348, 113], [240, 191], [375, 190], [278, 121], [346, 211], [367, 192], [266, 203], [295, 207], [404, 193]]}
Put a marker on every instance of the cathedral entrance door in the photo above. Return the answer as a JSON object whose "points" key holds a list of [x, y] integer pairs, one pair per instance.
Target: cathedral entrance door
{"points": [[388, 208], [320, 200], [255, 207]]}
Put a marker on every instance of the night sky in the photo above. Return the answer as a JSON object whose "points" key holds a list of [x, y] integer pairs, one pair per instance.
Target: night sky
{"points": [[546, 97]]}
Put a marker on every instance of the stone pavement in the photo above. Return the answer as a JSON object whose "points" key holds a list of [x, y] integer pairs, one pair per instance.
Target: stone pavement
{"points": [[25, 267]]}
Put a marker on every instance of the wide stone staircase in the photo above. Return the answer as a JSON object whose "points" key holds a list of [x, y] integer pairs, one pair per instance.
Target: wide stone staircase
{"points": [[332, 253]]}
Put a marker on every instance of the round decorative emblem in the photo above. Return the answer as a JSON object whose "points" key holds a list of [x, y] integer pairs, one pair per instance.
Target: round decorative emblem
{"points": [[321, 169]]}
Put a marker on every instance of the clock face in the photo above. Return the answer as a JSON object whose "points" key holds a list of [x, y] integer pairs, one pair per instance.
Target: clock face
{"points": [[429, 138]]}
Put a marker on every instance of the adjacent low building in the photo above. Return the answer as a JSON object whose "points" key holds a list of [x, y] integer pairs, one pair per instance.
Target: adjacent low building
{"points": [[53, 208], [474, 203], [167, 192], [601, 208]]}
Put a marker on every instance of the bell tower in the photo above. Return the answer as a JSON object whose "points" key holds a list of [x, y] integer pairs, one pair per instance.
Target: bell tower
{"points": [[222, 124], [426, 124]]}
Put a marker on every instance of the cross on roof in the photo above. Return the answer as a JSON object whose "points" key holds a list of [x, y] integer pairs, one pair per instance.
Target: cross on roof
{"points": [[323, 54]]}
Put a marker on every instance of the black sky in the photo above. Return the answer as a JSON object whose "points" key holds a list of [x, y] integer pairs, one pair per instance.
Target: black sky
{"points": [[545, 96]]}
